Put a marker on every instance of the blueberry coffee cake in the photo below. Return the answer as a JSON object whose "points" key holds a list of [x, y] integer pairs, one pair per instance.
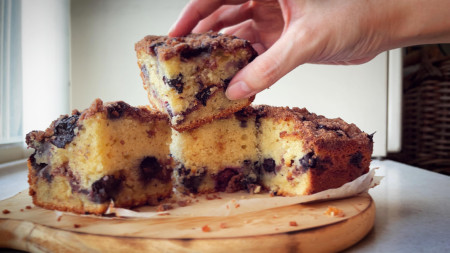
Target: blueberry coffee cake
{"points": [[109, 152], [303, 153], [218, 156], [186, 77], [287, 151], [131, 156]]}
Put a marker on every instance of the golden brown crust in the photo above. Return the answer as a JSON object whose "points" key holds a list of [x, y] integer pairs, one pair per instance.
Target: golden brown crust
{"points": [[315, 128], [193, 44], [119, 108], [111, 109], [209, 118]]}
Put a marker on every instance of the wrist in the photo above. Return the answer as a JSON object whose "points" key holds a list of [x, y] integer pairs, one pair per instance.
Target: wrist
{"points": [[415, 22]]}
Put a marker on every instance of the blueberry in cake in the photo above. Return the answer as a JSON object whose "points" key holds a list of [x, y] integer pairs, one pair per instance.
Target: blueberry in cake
{"points": [[186, 77], [287, 151], [109, 152]]}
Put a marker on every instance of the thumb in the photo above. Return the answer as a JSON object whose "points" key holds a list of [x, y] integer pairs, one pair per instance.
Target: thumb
{"points": [[266, 69]]}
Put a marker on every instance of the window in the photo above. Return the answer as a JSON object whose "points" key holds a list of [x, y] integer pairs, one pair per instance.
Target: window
{"points": [[11, 124], [10, 73]]}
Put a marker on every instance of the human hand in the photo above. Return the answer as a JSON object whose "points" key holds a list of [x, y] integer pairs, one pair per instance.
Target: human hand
{"points": [[288, 33]]}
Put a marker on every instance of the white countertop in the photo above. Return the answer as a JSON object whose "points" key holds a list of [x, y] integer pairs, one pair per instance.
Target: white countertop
{"points": [[412, 207]]}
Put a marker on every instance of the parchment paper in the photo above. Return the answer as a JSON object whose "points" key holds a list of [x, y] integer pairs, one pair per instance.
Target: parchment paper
{"points": [[227, 204]]}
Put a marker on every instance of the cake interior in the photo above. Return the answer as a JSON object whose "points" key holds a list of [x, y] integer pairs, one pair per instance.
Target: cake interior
{"points": [[282, 151], [219, 156], [124, 160]]}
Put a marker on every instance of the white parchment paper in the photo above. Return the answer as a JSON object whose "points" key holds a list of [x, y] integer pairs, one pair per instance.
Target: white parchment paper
{"points": [[227, 204]]}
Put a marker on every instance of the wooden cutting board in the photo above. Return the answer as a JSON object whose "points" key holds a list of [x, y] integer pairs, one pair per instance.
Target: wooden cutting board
{"points": [[297, 228]]}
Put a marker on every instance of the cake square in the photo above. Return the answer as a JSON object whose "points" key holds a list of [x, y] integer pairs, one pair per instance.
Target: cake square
{"points": [[304, 153], [220, 156], [108, 153], [186, 77]]}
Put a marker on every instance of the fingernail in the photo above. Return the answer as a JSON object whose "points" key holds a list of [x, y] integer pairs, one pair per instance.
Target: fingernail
{"points": [[239, 90]]}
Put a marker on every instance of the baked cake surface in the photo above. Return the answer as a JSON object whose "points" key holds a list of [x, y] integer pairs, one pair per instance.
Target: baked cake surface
{"points": [[109, 152], [186, 77], [287, 151]]}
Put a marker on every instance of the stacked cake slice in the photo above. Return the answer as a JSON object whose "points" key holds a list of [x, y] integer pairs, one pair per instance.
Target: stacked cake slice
{"points": [[186, 77], [111, 152]]}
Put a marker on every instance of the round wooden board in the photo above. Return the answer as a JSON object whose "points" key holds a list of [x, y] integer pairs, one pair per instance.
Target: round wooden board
{"points": [[40, 230]]}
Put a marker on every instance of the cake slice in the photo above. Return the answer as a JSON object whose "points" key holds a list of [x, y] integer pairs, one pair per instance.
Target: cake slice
{"points": [[221, 156], [109, 152], [289, 152], [186, 77], [303, 153]]}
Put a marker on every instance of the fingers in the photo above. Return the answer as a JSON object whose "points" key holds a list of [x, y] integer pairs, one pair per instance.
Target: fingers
{"points": [[243, 30], [195, 11], [225, 16], [266, 69]]}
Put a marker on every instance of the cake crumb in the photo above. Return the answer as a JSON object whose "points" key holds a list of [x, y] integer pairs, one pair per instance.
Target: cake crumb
{"points": [[334, 211], [214, 196], [293, 223], [21, 209], [223, 225], [237, 205], [164, 207], [206, 228], [76, 225], [28, 207], [184, 202], [6, 211], [256, 189]]}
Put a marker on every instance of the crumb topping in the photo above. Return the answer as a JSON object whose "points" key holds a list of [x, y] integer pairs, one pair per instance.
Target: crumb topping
{"points": [[313, 127], [118, 109], [191, 45], [113, 110]]}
